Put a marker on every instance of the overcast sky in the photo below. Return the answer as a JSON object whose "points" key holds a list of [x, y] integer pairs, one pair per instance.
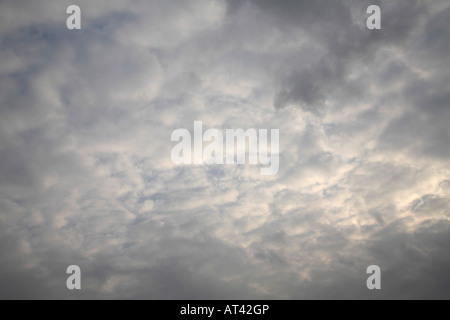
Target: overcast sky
{"points": [[86, 176]]}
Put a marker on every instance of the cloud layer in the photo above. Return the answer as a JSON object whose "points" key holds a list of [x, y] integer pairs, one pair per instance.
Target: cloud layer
{"points": [[86, 176]]}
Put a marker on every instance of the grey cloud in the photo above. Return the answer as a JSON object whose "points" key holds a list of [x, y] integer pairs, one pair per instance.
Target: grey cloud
{"points": [[86, 176], [335, 30]]}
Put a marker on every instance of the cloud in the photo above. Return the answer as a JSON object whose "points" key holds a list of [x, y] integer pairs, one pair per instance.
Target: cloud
{"points": [[86, 176]]}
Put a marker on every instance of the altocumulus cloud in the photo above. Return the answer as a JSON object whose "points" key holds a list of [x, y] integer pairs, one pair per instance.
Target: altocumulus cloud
{"points": [[86, 176]]}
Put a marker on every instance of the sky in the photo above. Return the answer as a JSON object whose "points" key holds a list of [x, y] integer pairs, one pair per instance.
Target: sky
{"points": [[86, 176]]}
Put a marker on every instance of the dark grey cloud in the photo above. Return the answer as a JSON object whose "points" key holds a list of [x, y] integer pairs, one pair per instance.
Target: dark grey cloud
{"points": [[338, 34]]}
